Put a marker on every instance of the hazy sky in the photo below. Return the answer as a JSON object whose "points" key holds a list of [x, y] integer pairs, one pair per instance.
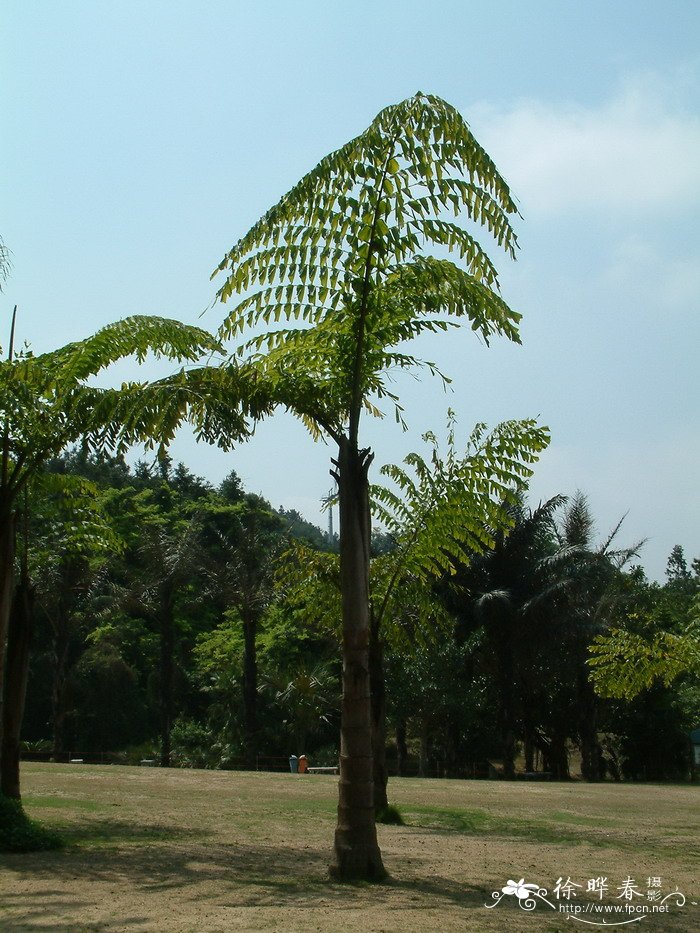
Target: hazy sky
{"points": [[140, 140]]}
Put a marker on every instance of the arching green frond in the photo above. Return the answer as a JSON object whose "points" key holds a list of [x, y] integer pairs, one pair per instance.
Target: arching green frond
{"points": [[449, 508], [216, 402], [45, 403], [310, 581], [625, 663], [344, 256], [428, 286], [441, 510], [136, 336], [418, 149]]}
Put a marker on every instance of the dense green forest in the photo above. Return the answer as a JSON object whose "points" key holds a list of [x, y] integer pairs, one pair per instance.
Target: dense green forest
{"points": [[197, 626]]}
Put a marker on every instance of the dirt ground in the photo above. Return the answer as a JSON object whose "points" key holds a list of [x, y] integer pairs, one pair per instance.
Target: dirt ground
{"points": [[154, 850]]}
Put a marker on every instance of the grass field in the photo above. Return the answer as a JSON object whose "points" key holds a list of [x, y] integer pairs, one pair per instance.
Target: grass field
{"points": [[214, 851]]}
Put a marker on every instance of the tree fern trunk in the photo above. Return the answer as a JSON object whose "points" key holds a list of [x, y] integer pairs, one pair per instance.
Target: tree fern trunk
{"points": [[7, 569], [356, 852], [18, 645], [378, 691]]}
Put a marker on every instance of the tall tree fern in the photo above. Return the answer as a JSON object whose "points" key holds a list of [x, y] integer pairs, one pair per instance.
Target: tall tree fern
{"points": [[48, 401], [329, 286]]}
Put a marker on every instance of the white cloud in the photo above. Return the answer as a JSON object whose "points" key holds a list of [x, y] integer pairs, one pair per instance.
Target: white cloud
{"points": [[639, 269], [638, 151]]}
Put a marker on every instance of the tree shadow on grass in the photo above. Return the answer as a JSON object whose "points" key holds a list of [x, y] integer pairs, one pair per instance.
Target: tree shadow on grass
{"points": [[224, 877], [42, 913], [113, 833], [444, 821], [155, 859]]}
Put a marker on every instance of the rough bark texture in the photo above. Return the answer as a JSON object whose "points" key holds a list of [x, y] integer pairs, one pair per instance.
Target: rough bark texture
{"points": [[378, 691], [356, 854], [18, 645]]}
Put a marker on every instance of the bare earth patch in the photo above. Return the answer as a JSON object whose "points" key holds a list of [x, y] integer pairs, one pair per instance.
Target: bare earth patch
{"points": [[154, 850]]}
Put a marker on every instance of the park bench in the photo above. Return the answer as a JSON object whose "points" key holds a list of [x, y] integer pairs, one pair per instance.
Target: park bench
{"points": [[330, 769]]}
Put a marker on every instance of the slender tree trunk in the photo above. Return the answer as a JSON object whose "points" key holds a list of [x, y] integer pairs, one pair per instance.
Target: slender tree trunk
{"points": [[556, 757], [7, 575], [529, 743], [356, 854], [60, 677], [588, 728], [250, 692], [507, 708], [453, 768], [167, 648], [423, 748], [378, 690], [18, 645], [401, 747]]}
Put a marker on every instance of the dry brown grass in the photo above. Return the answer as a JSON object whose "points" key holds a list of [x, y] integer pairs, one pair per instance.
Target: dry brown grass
{"points": [[153, 850]]}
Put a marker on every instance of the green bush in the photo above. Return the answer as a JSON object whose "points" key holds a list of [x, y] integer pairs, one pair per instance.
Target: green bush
{"points": [[193, 746], [390, 815], [20, 834]]}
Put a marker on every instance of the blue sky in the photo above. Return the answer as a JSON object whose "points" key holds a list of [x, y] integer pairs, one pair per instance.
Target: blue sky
{"points": [[140, 140]]}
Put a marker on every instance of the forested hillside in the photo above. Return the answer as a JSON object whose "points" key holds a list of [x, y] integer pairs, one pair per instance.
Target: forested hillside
{"points": [[198, 626]]}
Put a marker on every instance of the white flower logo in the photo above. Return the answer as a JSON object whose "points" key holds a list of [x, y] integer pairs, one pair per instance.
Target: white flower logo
{"points": [[521, 890], [527, 895]]}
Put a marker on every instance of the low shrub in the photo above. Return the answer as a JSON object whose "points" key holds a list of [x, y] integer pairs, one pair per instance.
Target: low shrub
{"points": [[20, 834], [389, 815]]}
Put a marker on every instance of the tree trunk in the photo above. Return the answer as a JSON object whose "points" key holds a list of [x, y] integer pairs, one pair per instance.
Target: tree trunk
{"points": [[591, 753], [18, 645], [7, 576], [250, 692], [423, 748], [507, 713], [378, 691], [452, 766], [60, 677], [167, 646], [506, 685], [529, 745], [356, 854], [556, 757], [401, 747]]}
